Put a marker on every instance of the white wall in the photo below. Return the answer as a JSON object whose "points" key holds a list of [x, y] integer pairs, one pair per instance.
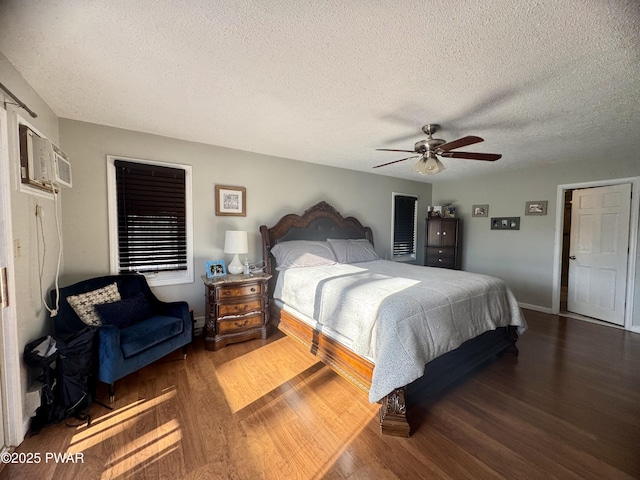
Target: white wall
{"points": [[523, 258], [275, 187]]}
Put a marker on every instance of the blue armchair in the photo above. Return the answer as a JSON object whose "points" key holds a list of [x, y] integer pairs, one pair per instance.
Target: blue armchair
{"points": [[136, 330]]}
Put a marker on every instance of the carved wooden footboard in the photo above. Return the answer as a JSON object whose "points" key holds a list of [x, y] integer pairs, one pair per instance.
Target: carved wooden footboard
{"points": [[319, 223]]}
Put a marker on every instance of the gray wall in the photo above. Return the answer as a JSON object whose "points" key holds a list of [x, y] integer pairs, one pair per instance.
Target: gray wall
{"points": [[523, 258], [275, 187], [32, 318]]}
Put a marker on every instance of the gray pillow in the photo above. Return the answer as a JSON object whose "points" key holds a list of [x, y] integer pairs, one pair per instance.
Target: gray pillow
{"points": [[302, 253], [353, 250]]}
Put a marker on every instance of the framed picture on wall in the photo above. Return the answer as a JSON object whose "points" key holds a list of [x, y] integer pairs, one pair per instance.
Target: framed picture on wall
{"points": [[480, 210], [231, 201], [536, 207], [505, 223]]}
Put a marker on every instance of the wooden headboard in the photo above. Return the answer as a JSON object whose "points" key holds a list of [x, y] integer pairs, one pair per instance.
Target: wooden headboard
{"points": [[319, 222]]}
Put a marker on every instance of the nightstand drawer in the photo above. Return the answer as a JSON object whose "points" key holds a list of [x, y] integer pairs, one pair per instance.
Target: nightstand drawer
{"points": [[440, 252], [240, 323], [441, 262], [440, 257], [225, 309], [233, 291]]}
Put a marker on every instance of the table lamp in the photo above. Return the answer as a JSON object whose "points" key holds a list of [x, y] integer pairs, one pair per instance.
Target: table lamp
{"points": [[235, 242]]}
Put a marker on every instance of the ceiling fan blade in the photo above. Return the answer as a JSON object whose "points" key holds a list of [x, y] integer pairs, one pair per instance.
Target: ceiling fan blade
{"points": [[396, 161], [489, 157], [461, 142], [391, 150]]}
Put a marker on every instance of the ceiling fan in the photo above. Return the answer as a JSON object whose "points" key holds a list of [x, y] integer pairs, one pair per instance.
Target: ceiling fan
{"points": [[429, 149]]}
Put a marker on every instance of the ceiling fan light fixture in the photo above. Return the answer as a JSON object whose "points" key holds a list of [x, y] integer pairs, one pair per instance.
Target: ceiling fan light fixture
{"points": [[429, 165], [429, 149]]}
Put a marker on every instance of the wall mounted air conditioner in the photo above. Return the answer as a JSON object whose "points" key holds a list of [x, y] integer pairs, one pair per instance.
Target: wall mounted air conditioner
{"points": [[42, 163]]}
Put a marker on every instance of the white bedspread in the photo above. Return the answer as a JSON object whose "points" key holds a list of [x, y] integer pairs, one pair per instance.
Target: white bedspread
{"points": [[402, 316]]}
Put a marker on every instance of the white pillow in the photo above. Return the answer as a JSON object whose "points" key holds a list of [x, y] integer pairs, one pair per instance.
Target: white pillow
{"points": [[302, 253], [353, 250], [84, 303]]}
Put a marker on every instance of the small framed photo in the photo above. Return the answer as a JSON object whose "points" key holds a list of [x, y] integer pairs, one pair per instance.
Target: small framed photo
{"points": [[480, 211], [216, 268], [536, 207], [505, 223], [231, 201], [449, 212], [435, 211]]}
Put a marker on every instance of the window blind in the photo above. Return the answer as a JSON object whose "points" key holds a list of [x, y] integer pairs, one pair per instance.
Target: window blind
{"points": [[152, 227], [404, 228]]}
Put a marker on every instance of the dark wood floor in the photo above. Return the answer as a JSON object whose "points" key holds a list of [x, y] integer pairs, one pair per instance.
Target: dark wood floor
{"points": [[568, 408]]}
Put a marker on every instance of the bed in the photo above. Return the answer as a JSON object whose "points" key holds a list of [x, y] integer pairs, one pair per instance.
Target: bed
{"points": [[387, 327]]}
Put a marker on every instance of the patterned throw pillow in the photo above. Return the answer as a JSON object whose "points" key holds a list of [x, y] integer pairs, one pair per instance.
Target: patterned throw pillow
{"points": [[83, 304]]}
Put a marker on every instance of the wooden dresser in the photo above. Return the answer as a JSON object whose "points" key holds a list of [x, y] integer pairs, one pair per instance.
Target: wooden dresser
{"points": [[237, 309], [441, 242]]}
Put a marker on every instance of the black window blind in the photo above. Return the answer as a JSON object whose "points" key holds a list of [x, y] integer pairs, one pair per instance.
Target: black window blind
{"points": [[152, 227], [404, 227]]}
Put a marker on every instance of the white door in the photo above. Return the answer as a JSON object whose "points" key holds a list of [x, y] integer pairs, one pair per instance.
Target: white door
{"points": [[11, 426], [598, 252], [5, 314], [4, 293]]}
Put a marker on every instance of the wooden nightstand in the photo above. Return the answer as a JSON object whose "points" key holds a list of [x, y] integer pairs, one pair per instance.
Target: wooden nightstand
{"points": [[237, 309]]}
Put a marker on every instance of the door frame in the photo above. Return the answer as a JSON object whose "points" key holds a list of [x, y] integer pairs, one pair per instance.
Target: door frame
{"points": [[10, 375], [633, 243]]}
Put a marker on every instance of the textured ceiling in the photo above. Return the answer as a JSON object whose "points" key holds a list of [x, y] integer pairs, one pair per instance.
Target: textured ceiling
{"points": [[330, 81]]}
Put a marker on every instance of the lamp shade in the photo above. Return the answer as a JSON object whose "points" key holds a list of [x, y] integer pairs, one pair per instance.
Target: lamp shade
{"points": [[429, 165], [235, 242]]}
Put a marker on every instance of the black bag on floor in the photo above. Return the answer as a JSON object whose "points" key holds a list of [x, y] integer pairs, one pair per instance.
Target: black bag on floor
{"points": [[41, 355], [76, 375], [68, 375]]}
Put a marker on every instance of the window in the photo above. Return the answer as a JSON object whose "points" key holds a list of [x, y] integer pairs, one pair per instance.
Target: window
{"points": [[404, 222], [150, 220]]}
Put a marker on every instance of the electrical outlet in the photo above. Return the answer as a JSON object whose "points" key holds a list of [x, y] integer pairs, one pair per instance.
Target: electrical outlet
{"points": [[17, 248], [39, 211]]}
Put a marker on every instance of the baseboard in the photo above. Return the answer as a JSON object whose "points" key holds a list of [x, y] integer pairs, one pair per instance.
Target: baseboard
{"points": [[536, 308]]}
